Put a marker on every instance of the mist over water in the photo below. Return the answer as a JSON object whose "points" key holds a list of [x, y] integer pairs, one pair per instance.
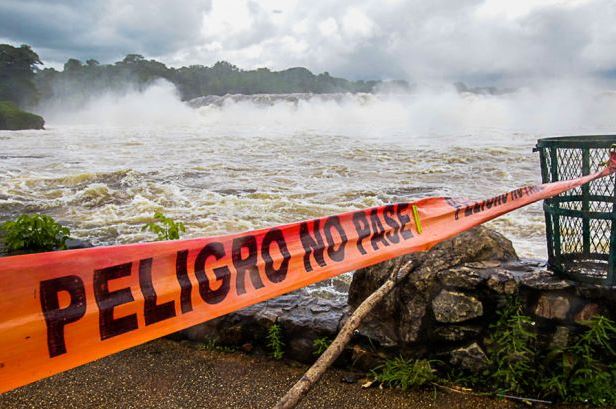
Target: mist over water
{"points": [[548, 108], [105, 167], [157, 105]]}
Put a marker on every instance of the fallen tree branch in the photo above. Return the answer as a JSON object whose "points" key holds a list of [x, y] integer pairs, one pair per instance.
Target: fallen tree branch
{"points": [[301, 388]]}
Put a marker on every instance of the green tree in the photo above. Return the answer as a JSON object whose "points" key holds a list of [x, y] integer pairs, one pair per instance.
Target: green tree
{"points": [[133, 59], [72, 64], [17, 69]]}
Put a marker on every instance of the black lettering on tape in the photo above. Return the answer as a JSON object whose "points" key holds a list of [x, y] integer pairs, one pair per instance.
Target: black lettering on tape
{"points": [[404, 220], [275, 275], [378, 231], [360, 221], [223, 274], [108, 300], [313, 245], [57, 318], [333, 223], [152, 312], [181, 272], [246, 264], [388, 214]]}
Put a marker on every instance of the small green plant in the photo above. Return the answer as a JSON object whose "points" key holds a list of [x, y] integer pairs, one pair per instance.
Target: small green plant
{"points": [[320, 345], [35, 232], [212, 345], [274, 341], [164, 227], [399, 372], [512, 350]]}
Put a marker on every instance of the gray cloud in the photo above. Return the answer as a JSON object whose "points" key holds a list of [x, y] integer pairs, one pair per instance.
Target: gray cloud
{"points": [[475, 40], [105, 30]]}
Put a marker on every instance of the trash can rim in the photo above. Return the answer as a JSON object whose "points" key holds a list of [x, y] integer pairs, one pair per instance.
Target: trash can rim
{"points": [[578, 141]]}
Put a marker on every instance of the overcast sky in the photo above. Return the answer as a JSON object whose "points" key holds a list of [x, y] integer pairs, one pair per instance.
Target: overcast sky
{"points": [[480, 41]]}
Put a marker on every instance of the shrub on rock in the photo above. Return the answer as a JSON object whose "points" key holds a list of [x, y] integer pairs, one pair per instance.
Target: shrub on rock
{"points": [[14, 119]]}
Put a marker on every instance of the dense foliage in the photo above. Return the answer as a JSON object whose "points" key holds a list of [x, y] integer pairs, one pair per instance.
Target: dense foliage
{"points": [[584, 370], [403, 373], [320, 345], [36, 232], [17, 71]]}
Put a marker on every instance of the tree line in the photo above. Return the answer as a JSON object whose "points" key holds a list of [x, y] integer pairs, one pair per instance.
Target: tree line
{"points": [[25, 83]]}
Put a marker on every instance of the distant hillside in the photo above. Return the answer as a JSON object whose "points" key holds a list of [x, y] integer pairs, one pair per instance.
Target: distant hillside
{"points": [[83, 79]]}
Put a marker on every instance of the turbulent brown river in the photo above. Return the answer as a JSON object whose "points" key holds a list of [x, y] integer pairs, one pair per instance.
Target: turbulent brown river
{"points": [[105, 168]]}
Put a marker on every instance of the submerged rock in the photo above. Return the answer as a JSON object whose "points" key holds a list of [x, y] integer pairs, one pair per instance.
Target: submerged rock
{"points": [[73, 243]]}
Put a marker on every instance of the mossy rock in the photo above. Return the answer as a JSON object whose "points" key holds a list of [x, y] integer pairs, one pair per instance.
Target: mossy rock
{"points": [[14, 119]]}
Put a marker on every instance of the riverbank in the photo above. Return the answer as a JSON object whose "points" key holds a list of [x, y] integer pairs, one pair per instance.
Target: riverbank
{"points": [[169, 374]]}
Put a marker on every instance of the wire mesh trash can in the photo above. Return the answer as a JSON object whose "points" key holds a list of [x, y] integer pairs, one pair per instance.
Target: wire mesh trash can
{"points": [[580, 223]]}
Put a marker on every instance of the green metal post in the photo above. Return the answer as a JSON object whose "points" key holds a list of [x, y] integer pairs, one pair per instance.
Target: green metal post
{"points": [[611, 268], [585, 204], [545, 178], [555, 217]]}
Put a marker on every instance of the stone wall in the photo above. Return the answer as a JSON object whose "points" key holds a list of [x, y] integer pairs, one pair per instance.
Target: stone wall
{"points": [[443, 310]]}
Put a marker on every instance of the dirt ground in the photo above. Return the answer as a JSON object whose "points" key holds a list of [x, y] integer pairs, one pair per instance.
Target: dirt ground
{"points": [[170, 374]]}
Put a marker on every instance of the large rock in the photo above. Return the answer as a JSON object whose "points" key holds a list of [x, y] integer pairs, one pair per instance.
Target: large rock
{"points": [[462, 262]]}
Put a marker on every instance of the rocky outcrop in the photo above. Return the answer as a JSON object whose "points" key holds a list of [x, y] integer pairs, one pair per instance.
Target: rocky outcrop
{"points": [[436, 292], [14, 119]]}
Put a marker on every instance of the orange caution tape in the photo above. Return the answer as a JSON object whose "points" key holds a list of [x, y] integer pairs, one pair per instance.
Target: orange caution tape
{"points": [[59, 310]]}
